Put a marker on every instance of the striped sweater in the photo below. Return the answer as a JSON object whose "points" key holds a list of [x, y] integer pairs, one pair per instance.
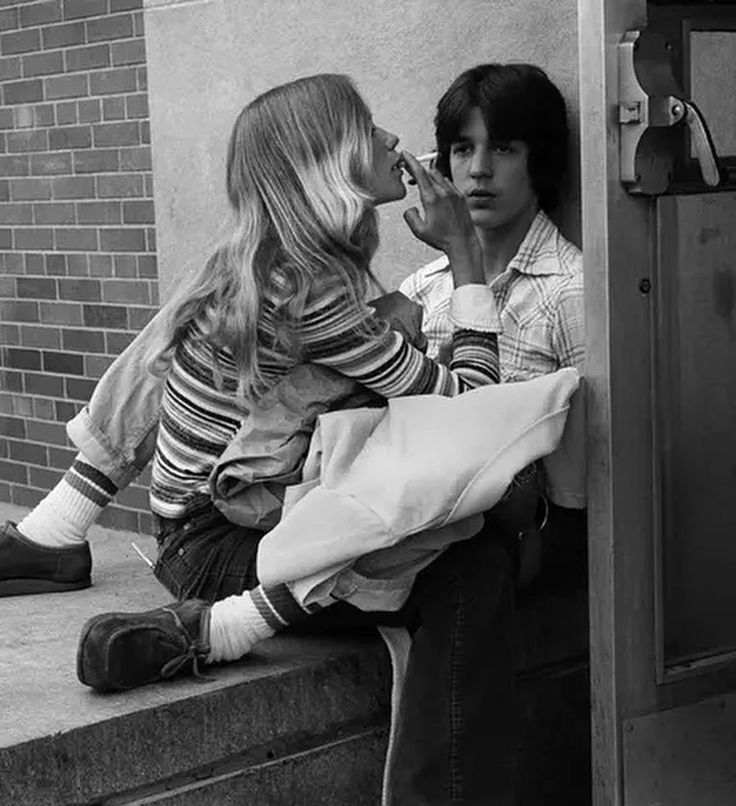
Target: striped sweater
{"points": [[201, 412]]}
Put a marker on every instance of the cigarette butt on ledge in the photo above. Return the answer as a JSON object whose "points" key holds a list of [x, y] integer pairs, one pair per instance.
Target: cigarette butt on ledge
{"points": [[143, 557]]}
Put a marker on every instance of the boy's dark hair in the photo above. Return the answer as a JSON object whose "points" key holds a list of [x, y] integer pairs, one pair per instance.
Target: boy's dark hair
{"points": [[517, 102]]}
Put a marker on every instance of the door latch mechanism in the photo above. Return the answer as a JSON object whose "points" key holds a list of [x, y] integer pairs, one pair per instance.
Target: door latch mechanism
{"points": [[652, 110]]}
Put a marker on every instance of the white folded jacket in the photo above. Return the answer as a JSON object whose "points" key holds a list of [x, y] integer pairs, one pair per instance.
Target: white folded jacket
{"points": [[374, 477]]}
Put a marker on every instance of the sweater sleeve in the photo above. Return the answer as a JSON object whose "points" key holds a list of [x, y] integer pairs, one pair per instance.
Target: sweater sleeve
{"points": [[348, 338]]}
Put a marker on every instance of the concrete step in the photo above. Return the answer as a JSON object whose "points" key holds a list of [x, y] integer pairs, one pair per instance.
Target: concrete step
{"points": [[303, 720]]}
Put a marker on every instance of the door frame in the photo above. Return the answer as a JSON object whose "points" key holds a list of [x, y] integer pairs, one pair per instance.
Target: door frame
{"points": [[615, 234]]}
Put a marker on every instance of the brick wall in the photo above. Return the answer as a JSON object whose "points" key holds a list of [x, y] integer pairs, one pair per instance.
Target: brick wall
{"points": [[78, 274]]}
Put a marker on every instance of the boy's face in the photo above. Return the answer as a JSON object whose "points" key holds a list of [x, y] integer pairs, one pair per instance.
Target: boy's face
{"points": [[493, 176]]}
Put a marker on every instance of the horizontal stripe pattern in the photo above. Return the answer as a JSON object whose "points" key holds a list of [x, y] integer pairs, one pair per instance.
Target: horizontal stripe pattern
{"points": [[351, 340], [276, 606], [199, 417], [201, 413], [89, 482]]}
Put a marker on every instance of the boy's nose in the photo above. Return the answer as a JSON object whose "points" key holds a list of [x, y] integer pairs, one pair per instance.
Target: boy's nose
{"points": [[482, 163]]}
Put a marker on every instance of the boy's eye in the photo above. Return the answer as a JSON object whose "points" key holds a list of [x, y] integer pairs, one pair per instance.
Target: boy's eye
{"points": [[502, 148], [460, 148]]}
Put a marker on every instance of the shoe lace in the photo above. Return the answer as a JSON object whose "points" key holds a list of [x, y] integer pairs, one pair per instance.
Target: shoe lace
{"points": [[193, 654]]}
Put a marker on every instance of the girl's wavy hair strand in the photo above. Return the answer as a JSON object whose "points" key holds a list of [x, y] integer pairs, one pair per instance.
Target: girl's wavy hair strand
{"points": [[298, 168]]}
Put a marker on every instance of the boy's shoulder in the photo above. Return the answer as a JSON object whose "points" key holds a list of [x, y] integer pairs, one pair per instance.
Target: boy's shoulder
{"points": [[569, 255]]}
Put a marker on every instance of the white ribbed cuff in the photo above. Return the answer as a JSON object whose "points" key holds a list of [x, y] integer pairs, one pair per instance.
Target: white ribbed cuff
{"points": [[473, 307]]}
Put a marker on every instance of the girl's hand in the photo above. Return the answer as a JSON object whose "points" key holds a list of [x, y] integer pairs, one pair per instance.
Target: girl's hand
{"points": [[403, 315], [446, 221], [447, 224]]}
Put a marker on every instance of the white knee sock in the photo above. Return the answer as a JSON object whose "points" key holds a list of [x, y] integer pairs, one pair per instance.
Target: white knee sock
{"points": [[63, 517], [239, 622]]}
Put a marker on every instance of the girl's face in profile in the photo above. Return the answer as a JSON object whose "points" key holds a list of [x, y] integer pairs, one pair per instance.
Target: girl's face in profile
{"points": [[387, 183]]}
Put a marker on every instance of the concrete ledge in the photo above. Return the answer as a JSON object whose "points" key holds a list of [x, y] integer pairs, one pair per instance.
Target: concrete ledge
{"points": [[301, 720], [334, 774], [281, 712]]}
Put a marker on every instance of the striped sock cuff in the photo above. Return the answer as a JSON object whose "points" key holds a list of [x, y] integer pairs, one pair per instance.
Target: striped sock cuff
{"points": [[277, 606], [90, 482]]}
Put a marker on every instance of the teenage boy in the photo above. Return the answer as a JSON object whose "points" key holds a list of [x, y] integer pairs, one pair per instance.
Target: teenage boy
{"points": [[502, 139]]}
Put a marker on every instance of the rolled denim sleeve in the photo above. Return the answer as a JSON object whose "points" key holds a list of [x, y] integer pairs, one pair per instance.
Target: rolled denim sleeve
{"points": [[116, 430]]}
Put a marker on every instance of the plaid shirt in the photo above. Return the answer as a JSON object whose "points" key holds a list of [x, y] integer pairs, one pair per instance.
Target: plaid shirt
{"points": [[540, 303], [539, 299]]}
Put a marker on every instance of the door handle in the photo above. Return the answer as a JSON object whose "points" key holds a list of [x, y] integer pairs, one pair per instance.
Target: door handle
{"points": [[702, 144], [652, 111]]}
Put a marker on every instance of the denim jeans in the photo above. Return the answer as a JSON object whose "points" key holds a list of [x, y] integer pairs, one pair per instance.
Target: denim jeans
{"points": [[117, 429], [455, 732], [205, 556]]}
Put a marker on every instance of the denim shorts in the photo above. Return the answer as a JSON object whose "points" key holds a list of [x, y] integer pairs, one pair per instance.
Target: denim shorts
{"points": [[205, 556]]}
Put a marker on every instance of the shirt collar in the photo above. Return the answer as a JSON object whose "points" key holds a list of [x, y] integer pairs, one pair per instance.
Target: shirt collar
{"points": [[537, 253]]}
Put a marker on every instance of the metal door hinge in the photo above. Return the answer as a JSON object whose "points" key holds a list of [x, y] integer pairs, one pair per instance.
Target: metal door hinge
{"points": [[652, 109]]}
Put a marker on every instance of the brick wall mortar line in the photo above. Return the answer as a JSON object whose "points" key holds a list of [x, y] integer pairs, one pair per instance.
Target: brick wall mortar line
{"points": [[71, 72], [68, 21]]}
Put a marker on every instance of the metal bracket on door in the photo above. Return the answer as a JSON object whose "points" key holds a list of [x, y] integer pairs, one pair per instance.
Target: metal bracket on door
{"points": [[652, 110]]}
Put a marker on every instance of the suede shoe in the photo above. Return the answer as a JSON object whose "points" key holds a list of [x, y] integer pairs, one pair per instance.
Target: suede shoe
{"points": [[28, 567], [120, 651]]}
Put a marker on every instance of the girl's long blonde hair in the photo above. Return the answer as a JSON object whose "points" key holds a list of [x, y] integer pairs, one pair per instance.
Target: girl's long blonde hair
{"points": [[298, 168]]}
